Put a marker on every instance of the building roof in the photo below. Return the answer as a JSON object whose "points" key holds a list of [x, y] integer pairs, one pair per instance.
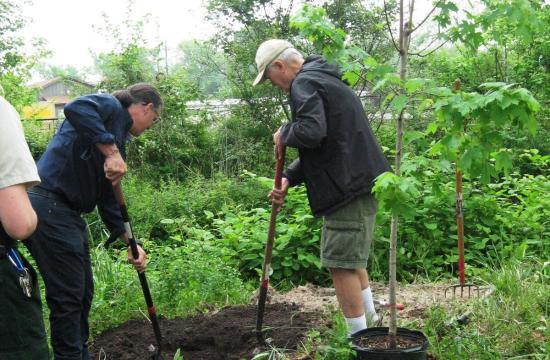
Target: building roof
{"points": [[45, 83]]}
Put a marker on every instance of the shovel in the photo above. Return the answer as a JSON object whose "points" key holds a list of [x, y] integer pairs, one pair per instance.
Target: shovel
{"points": [[264, 281], [142, 279]]}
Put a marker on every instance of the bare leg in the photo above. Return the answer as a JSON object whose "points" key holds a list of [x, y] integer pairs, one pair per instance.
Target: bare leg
{"points": [[363, 277], [347, 284]]}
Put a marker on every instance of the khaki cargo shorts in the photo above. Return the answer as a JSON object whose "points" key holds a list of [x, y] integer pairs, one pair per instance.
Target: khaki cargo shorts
{"points": [[347, 234]]}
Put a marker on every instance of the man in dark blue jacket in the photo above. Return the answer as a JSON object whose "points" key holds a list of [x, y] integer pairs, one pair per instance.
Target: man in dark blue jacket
{"points": [[338, 161], [80, 165]]}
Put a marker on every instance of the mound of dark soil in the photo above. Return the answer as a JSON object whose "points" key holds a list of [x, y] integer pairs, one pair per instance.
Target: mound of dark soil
{"points": [[225, 335]]}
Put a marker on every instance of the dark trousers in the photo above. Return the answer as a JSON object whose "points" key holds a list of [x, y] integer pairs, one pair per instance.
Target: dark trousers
{"points": [[22, 334], [60, 248]]}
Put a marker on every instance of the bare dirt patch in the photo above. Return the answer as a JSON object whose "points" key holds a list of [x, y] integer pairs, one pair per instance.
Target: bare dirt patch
{"points": [[416, 298], [223, 335], [228, 333]]}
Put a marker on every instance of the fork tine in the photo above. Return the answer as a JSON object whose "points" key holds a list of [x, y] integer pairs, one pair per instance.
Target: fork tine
{"points": [[463, 290]]}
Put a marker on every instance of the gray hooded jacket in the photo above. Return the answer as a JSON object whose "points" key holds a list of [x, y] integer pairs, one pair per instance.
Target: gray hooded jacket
{"points": [[339, 157]]}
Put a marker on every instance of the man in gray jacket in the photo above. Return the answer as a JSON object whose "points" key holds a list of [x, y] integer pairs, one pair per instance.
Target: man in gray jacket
{"points": [[338, 161]]}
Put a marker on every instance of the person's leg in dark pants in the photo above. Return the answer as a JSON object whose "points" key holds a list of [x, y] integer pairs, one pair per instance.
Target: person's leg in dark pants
{"points": [[59, 247], [87, 300], [22, 333]]}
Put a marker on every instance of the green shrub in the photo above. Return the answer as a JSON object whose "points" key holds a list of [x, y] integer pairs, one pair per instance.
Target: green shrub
{"points": [[151, 202], [37, 137], [501, 219], [504, 219], [296, 247]]}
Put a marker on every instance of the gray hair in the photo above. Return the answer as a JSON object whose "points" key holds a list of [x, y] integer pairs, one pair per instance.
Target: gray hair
{"points": [[289, 55]]}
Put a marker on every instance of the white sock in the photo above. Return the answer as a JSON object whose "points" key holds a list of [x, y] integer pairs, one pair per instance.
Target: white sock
{"points": [[369, 305], [357, 323]]}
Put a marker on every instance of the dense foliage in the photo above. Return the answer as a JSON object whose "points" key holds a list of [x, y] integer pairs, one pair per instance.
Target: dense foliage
{"points": [[15, 60]]}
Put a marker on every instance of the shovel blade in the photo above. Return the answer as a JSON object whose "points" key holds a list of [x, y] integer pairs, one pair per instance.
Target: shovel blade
{"points": [[154, 353]]}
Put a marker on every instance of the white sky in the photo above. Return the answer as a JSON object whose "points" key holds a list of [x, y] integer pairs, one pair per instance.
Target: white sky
{"points": [[67, 25]]}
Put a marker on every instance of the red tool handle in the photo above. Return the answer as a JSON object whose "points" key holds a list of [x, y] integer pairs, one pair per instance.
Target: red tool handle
{"points": [[280, 156], [459, 213], [460, 227], [386, 304], [264, 282]]}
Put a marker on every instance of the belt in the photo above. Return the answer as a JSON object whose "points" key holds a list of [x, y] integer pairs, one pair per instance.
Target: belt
{"points": [[51, 195], [48, 194]]}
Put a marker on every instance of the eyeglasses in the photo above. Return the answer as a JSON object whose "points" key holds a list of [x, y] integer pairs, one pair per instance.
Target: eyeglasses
{"points": [[157, 116]]}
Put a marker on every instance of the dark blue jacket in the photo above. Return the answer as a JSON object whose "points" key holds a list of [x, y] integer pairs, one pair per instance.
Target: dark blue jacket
{"points": [[72, 165], [339, 158]]}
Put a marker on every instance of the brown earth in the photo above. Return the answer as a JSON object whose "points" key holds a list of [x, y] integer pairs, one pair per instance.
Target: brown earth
{"points": [[228, 333], [416, 298], [222, 335], [383, 342]]}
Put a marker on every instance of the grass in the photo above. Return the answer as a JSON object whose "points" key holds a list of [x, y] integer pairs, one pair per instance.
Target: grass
{"points": [[183, 281], [328, 343], [511, 323]]}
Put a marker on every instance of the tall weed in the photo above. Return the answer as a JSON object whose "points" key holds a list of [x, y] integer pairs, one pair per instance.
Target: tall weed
{"points": [[511, 322]]}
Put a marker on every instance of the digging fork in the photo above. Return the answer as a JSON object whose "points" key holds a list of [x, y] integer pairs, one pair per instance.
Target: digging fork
{"points": [[461, 289]]}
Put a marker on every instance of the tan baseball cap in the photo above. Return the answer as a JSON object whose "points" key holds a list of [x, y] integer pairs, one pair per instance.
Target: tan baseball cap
{"points": [[267, 52]]}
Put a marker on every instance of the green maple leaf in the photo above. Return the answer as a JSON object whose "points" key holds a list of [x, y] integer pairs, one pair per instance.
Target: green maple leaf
{"points": [[399, 102]]}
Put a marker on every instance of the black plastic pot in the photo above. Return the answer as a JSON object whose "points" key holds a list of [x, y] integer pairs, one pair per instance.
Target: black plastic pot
{"points": [[415, 353]]}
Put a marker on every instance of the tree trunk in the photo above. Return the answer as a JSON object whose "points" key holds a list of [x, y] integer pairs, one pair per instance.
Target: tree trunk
{"points": [[404, 32]]}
